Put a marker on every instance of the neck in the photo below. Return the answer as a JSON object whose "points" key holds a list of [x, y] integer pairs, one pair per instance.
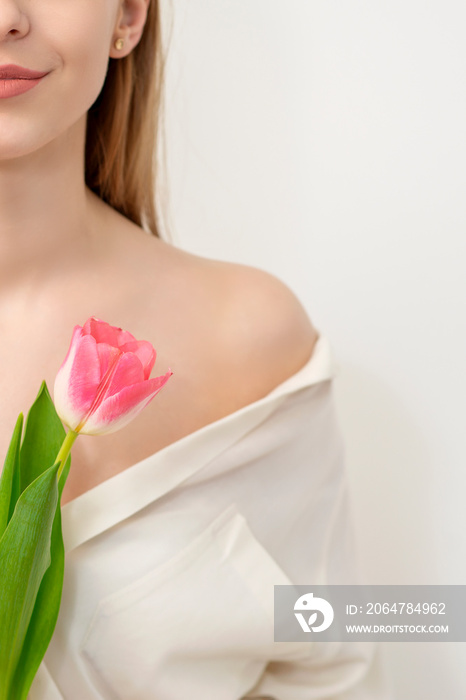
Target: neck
{"points": [[46, 213]]}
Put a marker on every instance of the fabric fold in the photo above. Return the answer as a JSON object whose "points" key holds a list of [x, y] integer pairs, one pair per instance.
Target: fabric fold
{"points": [[44, 687]]}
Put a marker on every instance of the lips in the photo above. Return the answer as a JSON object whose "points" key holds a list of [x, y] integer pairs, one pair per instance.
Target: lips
{"points": [[11, 71], [16, 80]]}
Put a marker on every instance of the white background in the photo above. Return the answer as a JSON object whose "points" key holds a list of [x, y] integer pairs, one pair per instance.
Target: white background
{"points": [[325, 142]]}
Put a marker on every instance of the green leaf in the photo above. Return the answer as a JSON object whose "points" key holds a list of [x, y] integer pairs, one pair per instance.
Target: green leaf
{"points": [[43, 437], [9, 479], [24, 558], [47, 606]]}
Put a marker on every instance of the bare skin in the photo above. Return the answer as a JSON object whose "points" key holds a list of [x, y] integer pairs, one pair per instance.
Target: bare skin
{"points": [[230, 333]]}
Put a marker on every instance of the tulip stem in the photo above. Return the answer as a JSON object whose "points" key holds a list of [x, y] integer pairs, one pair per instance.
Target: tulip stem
{"points": [[64, 451]]}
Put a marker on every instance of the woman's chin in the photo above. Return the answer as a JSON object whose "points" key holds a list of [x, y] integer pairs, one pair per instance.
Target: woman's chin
{"points": [[16, 148], [18, 141]]}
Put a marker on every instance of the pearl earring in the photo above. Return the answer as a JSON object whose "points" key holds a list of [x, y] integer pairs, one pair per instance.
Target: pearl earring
{"points": [[119, 43]]}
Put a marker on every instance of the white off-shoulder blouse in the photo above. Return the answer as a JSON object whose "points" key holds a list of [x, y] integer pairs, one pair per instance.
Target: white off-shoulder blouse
{"points": [[171, 564]]}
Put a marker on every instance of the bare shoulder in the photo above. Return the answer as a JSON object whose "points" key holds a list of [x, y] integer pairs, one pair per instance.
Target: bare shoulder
{"points": [[235, 330], [262, 327]]}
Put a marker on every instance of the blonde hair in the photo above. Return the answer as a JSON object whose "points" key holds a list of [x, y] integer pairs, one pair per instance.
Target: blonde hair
{"points": [[123, 129]]}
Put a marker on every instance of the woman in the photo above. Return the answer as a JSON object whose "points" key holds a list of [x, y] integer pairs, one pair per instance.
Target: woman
{"points": [[183, 494]]}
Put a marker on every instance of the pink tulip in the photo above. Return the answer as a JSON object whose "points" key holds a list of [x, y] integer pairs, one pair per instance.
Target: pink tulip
{"points": [[104, 381]]}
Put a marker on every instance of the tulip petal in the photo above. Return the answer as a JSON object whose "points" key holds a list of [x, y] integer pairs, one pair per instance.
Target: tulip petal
{"points": [[146, 353], [105, 333], [128, 371], [118, 410], [107, 356], [77, 380]]}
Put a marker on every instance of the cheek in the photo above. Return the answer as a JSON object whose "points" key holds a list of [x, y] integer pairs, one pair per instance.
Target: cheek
{"points": [[84, 56]]}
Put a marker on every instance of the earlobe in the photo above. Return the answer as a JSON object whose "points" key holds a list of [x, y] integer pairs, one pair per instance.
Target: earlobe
{"points": [[132, 19]]}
